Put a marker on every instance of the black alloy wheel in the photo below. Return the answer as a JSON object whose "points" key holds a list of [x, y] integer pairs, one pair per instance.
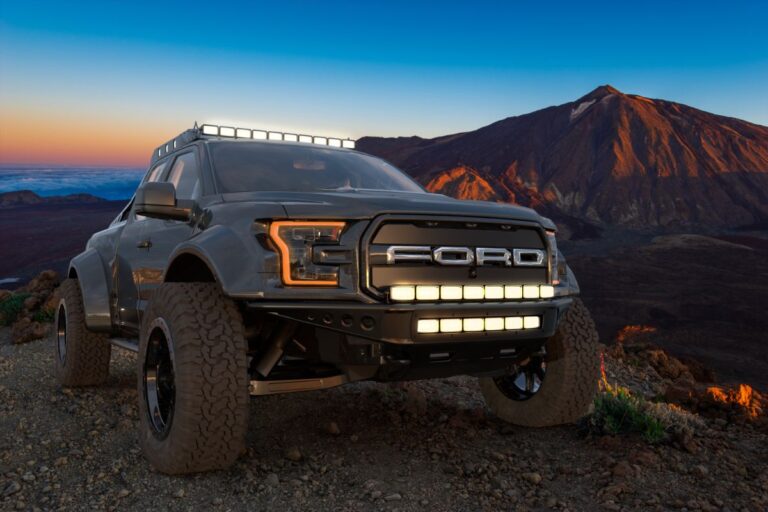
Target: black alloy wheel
{"points": [[159, 384], [61, 334], [525, 380]]}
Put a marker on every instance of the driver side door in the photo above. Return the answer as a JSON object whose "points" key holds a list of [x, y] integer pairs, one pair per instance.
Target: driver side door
{"points": [[160, 237], [126, 267]]}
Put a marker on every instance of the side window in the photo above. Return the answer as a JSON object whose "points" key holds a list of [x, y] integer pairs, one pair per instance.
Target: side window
{"points": [[184, 176], [154, 175], [157, 172]]}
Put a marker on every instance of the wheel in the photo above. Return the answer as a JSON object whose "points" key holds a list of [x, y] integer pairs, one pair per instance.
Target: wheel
{"points": [[555, 387], [82, 356], [192, 379]]}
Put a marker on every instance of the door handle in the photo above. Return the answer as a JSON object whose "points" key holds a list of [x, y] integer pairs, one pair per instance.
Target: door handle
{"points": [[144, 244]]}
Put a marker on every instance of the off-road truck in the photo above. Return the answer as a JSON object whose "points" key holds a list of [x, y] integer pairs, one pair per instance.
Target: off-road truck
{"points": [[253, 263]]}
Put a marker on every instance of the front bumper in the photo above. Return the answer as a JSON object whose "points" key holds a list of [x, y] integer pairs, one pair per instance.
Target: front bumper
{"points": [[396, 323]]}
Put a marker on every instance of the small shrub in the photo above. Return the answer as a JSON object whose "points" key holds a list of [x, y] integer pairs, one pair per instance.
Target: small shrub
{"points": [[44, 316], [10, 307], [618, 412]]}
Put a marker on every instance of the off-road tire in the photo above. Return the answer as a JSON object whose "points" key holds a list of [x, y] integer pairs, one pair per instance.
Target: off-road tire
{"points": [[210, 414], [569, 386], [86, 359]]}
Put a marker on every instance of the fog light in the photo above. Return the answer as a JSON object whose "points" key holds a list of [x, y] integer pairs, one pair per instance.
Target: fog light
{"points": [[428, 326], [402, 293], [494, 292], [531, 322], [494, 324], [530, 292], [546, 291], [513, 292], [427, 292], [513, 323], [450, 325], [450, 292], [473, 292], [474, 324]]}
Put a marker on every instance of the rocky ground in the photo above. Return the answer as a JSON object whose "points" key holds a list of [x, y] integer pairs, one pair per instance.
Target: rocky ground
{"points": [[423, 446]]}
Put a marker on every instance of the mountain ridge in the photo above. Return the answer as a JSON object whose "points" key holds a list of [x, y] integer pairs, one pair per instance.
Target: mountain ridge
{"points": [[28, 198], [607, 158]]}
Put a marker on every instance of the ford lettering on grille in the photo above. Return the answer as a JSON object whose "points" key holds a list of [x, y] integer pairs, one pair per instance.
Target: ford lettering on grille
{"points": [[465, 256]]}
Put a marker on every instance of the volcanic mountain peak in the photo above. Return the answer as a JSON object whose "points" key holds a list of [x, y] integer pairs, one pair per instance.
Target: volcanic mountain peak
{"points": [[600, 92], [607, 158]]}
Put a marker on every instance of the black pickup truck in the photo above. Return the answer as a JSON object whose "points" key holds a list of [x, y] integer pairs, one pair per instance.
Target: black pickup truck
{"points": [[253, 262]]}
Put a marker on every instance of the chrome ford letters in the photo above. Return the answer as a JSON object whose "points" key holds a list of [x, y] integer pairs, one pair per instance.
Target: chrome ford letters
{"points": [[528, 257], [397, 253], [465, 256], [495, 255], [462, 256]]}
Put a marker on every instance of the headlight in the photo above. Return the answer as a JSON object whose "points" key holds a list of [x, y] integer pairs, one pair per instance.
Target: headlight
{"points": [[295, 241], [553, 258]]}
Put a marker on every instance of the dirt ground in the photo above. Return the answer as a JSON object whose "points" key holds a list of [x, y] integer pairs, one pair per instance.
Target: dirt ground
{"points": [[426, 446]]}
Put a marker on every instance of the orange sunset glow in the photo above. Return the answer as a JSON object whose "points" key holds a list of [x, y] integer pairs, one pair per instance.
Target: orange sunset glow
{"points": [[36, 137]]}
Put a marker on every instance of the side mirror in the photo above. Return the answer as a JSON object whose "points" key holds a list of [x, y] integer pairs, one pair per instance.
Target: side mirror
{"points": [[158, 200]]}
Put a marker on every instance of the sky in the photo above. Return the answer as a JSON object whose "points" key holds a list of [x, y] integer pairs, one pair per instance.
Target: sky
{"points": [[103, 83]]}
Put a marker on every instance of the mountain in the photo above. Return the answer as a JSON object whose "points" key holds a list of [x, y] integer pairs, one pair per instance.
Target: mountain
{"points": [[28, 198], [606, 159]]}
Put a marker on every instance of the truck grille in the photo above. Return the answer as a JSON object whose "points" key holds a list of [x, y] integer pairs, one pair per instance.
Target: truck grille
{"points": [[385, 233]]}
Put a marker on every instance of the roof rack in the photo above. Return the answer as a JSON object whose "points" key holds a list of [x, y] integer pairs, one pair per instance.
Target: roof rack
{"points": [[215, 131]]}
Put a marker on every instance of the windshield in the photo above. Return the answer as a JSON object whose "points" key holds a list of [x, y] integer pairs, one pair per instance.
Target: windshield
{"points": [[264, 166]]}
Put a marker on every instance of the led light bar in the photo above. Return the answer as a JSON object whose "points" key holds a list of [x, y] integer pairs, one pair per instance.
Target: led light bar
{"points": [[402, 293], [434, 293], [247, 133], [479, 324], [214, 130]]}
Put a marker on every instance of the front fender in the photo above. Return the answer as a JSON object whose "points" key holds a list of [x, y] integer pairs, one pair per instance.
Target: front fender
{"points": [[94, 289], [239, 267]]}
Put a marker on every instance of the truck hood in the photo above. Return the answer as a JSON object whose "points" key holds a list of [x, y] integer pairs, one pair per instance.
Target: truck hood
{"points": [[366, 204]]}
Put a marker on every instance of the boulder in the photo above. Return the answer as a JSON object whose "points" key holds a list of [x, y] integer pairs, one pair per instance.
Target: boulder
{"points": [[26, 329]]}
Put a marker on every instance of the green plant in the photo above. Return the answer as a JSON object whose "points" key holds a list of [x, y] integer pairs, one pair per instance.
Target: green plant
{"points": [[44, 316], [10, 307], [617, 411]]}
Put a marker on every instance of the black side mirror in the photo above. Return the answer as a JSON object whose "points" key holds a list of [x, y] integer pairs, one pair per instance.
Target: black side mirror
{"points": [[158, 200]]}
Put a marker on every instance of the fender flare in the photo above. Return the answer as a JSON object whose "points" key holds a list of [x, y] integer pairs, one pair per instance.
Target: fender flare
{"points": [[233, 264], [94, 289]]}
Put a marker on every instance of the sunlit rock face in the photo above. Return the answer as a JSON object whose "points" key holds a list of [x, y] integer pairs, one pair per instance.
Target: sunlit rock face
{"points": [[607, 158]]}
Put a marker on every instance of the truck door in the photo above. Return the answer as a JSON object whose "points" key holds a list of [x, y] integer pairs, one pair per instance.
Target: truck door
{"points": [[126, 266], [159, 237]]}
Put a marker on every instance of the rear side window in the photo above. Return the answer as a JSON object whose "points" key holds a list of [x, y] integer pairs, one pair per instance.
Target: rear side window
{"points": [[184, 176], [157, 171]]}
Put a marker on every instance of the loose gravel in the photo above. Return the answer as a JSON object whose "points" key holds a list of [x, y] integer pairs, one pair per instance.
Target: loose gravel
{"points": [[426, 446]]}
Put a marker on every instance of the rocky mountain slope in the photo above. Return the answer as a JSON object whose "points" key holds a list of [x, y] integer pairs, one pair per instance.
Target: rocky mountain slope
{"points": [[607, 158], [40, 233]]}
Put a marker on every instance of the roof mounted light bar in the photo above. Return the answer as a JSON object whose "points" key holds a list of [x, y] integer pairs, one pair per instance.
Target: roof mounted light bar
{"points": [[213, 130], [247, 133]]}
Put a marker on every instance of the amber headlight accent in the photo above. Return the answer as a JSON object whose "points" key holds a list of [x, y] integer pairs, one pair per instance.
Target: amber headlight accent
{"points": [[295, 242]]}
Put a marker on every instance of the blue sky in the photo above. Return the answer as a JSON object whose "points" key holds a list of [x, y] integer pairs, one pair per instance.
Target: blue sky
{"points": [[365, 68]]}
